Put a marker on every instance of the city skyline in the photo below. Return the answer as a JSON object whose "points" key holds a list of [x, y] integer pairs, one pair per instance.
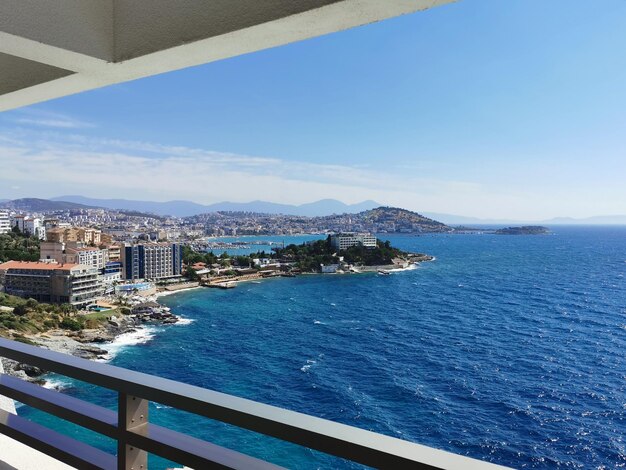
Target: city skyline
{"points": [[490, 111]]}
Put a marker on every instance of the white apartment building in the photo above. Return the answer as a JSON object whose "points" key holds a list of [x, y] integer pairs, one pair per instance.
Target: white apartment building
{"points": [[88, 256], [34, 226], [5, 222], [29, 225], [345, 240]]}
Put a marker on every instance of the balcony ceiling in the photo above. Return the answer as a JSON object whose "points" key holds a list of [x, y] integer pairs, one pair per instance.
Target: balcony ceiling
{"points": [[50, 49]]}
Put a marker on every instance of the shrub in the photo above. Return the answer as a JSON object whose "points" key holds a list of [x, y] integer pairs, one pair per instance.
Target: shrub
{"points": [[70, 324], [20, 310]]}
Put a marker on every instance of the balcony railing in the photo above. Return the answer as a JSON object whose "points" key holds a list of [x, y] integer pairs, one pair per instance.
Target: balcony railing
{"points": [[136, 436]]}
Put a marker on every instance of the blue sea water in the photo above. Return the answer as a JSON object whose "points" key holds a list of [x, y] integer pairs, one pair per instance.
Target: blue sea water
{"points": [[510, 349]]}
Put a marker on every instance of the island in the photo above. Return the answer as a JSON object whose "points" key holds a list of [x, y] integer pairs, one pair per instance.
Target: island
{"points": [[524, 230]]}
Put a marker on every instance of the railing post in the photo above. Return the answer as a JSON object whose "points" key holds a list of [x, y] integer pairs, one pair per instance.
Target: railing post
{"points": [[133, 417]]}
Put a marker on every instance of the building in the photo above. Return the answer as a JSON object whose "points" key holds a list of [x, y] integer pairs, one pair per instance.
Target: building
{"points": [[112, 271], [51, 282], [87, 255], [152, 260], [89, 236], [31, 226], [52, 251], [329, 268], [5, 222], [115, 252], [74, 253], [34, 227], [345, 240]]}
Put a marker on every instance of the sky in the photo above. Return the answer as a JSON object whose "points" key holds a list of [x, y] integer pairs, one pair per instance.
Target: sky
{"points": [[496, 109]]}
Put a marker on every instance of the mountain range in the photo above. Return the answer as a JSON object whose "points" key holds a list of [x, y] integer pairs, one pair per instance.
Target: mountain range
{"points": [[187, 208], [323, 207]]}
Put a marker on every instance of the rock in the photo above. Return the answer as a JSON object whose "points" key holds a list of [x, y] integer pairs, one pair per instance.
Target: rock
{"points": [[93, 350], [20, 374], [30, 371]]}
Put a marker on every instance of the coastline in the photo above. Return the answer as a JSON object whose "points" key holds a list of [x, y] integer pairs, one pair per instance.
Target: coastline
{"points": [[104, 343], [165, 293], [100, 344]]}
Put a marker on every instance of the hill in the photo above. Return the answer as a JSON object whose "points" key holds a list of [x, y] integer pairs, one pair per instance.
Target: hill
{"points": [[42, 205], [394, 219]]}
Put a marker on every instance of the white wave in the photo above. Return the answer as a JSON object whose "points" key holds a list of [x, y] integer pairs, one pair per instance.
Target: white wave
{"points": [[317, 322], [141, 335], [309, 363], [184, 321], [56, 383], [332, 304], [410, 267]]}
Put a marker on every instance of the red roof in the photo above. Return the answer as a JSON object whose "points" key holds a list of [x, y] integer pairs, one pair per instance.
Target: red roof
{"points": [[36, 265]]}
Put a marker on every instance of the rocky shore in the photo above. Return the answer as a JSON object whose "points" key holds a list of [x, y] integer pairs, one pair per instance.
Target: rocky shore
{"points": [[90, 343]]}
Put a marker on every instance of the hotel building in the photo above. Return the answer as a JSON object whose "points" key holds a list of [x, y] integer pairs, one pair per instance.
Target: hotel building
{"points": [[345, 240], [152, 260], [75, 284]]}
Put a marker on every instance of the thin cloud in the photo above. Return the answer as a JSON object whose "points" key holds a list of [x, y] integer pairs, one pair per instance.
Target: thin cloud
{"points": [[49, 163], [38, 118]]}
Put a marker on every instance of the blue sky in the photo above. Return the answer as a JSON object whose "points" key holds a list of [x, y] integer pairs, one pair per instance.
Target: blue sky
{"points": [[509, 109]]}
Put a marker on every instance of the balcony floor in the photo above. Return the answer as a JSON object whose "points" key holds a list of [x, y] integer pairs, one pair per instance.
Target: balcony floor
{"points": [[17, 456]]}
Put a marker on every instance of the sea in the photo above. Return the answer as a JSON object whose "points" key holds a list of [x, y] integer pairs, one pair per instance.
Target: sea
{"points": [[509, 349]]}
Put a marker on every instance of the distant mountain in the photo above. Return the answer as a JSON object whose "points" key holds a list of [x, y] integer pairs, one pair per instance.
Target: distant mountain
{"points": [[187, 208], [41, 205], [176, 208], [451, 219]]}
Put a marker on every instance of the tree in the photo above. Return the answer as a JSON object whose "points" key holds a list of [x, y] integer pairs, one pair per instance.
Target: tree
{"points": [[20, 310], [191, 274]]}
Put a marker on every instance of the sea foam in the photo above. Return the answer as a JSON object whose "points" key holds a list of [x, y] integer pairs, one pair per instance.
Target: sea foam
{"points": [[140, 335]]}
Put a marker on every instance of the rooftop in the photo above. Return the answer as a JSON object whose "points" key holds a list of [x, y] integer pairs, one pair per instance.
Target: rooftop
{"points": [[40, 265]]}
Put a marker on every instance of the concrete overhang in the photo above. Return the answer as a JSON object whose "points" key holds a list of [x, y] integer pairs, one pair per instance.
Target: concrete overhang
{"points": [[54, 48]]}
